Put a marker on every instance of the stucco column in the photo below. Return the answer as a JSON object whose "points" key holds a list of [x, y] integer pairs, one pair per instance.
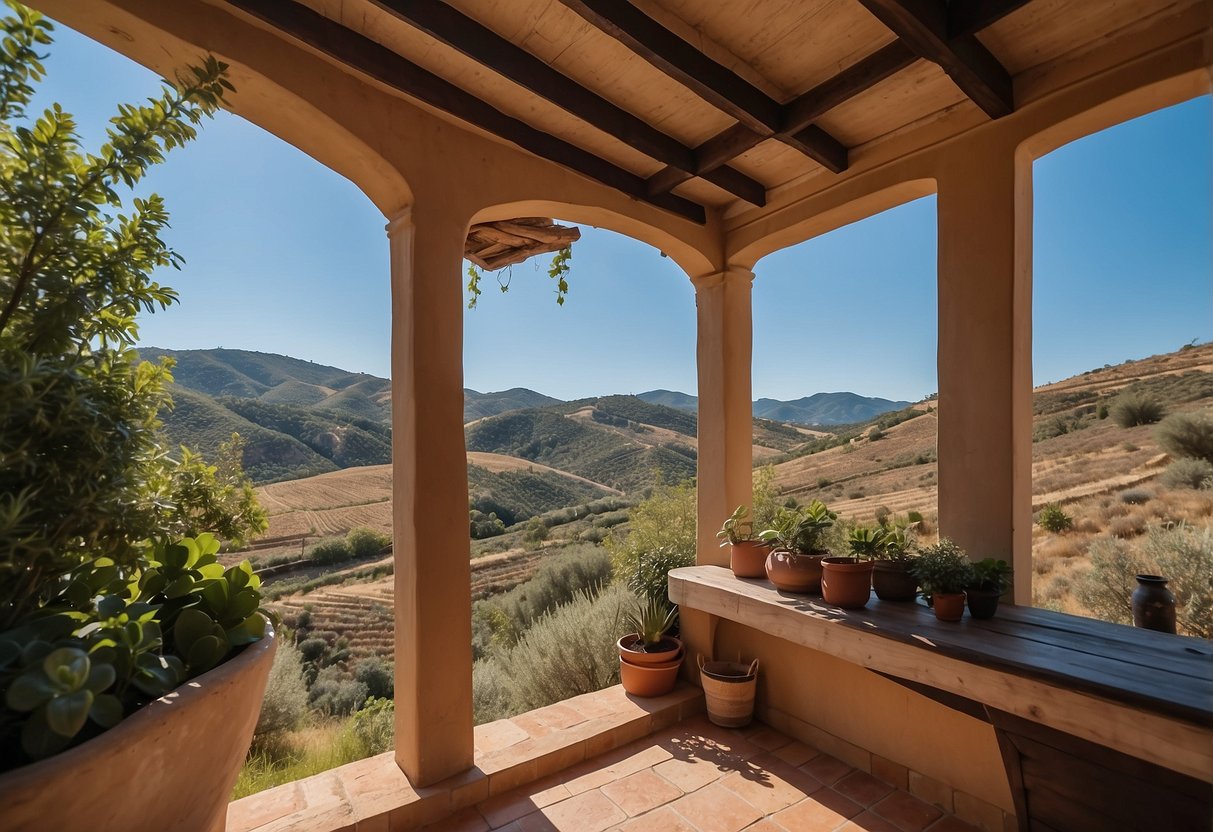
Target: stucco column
{"points": [[723, 353], [429, 498], [985, 355]]}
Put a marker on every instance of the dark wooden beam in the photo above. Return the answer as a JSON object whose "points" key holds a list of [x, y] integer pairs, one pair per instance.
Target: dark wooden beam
{"points": [[923, 26], [797, 128], [390, 69], [968, 17], [481, 44], [675, 57]]}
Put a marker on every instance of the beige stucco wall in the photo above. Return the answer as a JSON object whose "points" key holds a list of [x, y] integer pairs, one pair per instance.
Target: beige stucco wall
{"points": [[869, 711]]}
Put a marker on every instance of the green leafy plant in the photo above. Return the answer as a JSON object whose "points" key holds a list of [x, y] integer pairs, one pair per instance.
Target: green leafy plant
{"points": [[1132, 408], [1052, 518], [651, 620], [865, 542], [991, 575], [1187, 435], [942, 569], [801, 530], [737, 528], [897, 542]]}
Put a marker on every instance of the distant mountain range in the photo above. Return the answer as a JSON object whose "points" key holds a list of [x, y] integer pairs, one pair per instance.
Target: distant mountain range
{"points": [[818, 409], [299, 419]]}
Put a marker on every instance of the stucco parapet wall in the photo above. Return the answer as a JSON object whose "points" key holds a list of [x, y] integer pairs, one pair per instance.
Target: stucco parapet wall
{"points": [[374, 793]]}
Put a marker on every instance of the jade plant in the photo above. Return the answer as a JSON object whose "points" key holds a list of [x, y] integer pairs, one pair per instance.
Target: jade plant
{"points": [[865, 542], [801, 530], [112, 638]]}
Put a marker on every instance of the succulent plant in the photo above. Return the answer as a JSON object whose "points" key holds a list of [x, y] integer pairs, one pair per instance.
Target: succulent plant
{"points": [[651, 620]]}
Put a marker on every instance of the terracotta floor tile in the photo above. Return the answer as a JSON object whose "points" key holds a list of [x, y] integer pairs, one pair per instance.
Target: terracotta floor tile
{"points": [[796, 753], [534, 822], [589, 812], [769, 793], [768, 739], [716, 809], [862, 787], [638, 793], [512, 805], [867, 822], [495, 736], [827, 769], [689, 774], [823, 810], [661, 820], [614, 765], [906, 812], [469, 820], [765, 825], [951, 823]]}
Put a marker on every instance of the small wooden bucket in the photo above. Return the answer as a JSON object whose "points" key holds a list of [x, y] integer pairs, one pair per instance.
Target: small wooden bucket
{"points": [[728, 688]]}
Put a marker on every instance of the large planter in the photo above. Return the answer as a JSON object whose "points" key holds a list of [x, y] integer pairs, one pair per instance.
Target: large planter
{"points": [[669, 649], [893, 581], [748, 558], [1153, 604], [793, 572], [649, 679], [169, 766], [846, 582], [728, 691], [983, 603]]}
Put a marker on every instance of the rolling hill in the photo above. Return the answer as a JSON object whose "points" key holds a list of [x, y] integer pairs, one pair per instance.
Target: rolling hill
{"points": [[818, 409]]}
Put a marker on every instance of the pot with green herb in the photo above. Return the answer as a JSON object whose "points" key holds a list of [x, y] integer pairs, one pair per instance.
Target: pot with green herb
{"points": [[847, 581], [991, 578], [943, 571], [649, 658], [798, 539], [892, 575], [747, 553]]}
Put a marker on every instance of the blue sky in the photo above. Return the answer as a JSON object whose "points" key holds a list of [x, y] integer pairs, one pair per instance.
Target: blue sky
{"points": [[284, 256]]}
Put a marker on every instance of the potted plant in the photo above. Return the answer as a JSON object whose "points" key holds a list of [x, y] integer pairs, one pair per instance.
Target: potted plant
{"points": [[794, 564], [943, 570], [991, 578], [847, 581], [747, 554], [892, 575], [649, 658]]}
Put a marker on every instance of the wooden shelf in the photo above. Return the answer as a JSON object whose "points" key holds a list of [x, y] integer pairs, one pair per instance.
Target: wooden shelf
{"points": [[1146, 694]]}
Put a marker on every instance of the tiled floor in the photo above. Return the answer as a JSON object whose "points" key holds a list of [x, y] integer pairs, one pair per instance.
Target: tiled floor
{"points": [[697, 777]]}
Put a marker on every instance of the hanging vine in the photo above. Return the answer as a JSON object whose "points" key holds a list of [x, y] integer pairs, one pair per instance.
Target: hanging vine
{"points": [[558, 270]]}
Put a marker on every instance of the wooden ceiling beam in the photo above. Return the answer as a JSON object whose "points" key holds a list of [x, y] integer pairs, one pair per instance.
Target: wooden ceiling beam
{"points": [[474, 40], [968, 17], [797, 128], [396, 72], [924, 26], [665, 50]]}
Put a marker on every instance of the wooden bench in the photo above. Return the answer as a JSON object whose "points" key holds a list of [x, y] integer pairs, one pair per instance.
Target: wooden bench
{"points": [[1101, 726]]}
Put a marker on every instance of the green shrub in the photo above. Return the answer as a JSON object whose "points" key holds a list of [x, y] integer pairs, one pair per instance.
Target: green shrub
{"points": [[660, 537], [1053, 519], [1132, 408], [1136, 496], [568, 652], [1183, 554], [333, 696], [1101, 412], [366, 543], [375, 726], [313, 649], [285, 702], [378, 677], [329, 551], [1188, 435], [1187, 473]]}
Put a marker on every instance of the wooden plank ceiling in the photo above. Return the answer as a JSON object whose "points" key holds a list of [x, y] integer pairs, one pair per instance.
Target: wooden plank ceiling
{"points": [[677, 103]]}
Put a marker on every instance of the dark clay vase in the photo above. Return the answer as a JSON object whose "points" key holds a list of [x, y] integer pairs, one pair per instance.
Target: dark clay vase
{"points": [[893, 582], [1153, 604], [983, 603]]}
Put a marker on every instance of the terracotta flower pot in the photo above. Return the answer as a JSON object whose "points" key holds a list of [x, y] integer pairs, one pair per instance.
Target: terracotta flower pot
{"points": [[748, 558], [983, 603], [892, 581], [949, 606], [846, 582], [170, 765], [651, 679], [669, 648], [792, 572]]}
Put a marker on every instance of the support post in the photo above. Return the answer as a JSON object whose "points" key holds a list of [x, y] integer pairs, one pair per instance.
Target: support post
{"points": [[429, 498], [985, 355], [723, 354]]}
